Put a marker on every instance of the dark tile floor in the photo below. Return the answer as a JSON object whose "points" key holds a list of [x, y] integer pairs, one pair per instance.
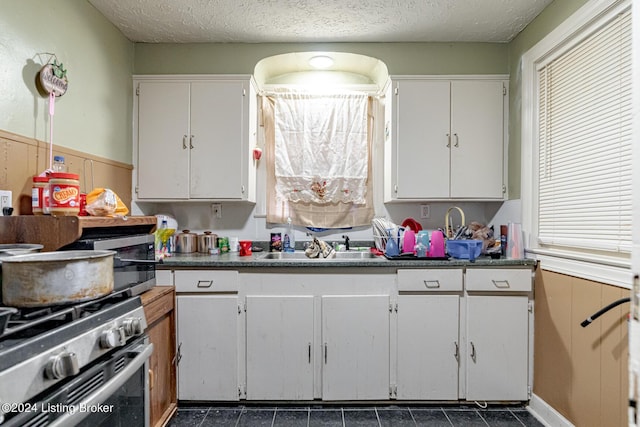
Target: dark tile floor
{"points": [[374, 416]]}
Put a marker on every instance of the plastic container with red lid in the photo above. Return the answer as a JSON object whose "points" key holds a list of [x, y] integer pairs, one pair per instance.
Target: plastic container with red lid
{"points": [[39, 193], [64, 194]]}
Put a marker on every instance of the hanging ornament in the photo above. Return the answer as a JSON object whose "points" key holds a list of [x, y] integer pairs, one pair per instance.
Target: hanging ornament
{"points": [[53, 78]]}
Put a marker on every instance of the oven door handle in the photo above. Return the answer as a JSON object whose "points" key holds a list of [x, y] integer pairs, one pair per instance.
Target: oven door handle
{"points": [[118, 262], [101, 395]]}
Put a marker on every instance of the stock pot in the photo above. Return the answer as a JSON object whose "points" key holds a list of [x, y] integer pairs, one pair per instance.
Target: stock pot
{"points": [[53, 278]]}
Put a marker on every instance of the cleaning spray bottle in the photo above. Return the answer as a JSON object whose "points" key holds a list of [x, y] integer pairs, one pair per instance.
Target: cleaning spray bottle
{"points": [[289, 238]]}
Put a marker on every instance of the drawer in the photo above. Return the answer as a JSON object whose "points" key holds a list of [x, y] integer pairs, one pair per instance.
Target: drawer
{"points": [[431, 280], [499, 279], [206, 281]]}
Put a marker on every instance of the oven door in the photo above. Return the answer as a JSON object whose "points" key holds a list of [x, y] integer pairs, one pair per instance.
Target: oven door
{"points": [[113, 392]]}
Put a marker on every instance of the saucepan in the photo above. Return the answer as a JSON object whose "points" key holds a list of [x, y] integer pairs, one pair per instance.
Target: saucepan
{"points": [[54, 278]]}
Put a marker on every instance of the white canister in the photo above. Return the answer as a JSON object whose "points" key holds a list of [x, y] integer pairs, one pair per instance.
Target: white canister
{"points": [[234, 244]]}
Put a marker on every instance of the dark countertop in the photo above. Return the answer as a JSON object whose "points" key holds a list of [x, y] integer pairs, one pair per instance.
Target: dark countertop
{"points": [[233, 260]]}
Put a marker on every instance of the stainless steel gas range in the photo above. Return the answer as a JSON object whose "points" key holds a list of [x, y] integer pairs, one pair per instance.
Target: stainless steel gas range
{"points": [[86, 363], [76, 365]]}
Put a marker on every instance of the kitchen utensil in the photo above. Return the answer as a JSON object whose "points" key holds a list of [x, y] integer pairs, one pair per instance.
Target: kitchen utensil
{"points": [[186, 242], [207, 241], [408, 240], [11, 249], [60, 277], [391, 248], [234, 244], [464, 249], [410, 222], [437, 245], [5, 314]]}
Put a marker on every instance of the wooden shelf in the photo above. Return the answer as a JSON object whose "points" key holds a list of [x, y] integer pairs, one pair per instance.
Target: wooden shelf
{"points": [[54, 232]]}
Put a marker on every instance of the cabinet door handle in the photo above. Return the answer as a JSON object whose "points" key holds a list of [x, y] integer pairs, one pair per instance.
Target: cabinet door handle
{"points": [[309, 348], [448, 140], [176, 359], [191, 142], [205, 283], [502, 284], [473, 351], [325, 353], [184, 142], [456, 354], [457, 143], [432, 284]]}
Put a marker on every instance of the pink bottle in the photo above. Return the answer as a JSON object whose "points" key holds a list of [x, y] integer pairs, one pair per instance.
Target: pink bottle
{"points": [[437, 245], [408, 241]]}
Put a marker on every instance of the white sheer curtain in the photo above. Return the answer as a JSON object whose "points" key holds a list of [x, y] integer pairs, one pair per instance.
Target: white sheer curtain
{"points": [[318, 158]]}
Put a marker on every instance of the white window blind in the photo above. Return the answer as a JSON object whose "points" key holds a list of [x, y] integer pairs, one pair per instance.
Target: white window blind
{"points": [[584, 128]]}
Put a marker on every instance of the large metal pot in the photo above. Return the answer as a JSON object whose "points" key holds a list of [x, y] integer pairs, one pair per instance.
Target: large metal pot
{"points": [[207, 241], [52, 278], [186, 242]]}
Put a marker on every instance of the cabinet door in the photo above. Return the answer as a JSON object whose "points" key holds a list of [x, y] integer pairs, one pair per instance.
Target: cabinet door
{"points": [[497, 347], [217, 115], [163, 129], [355, 353], [208, 342], [428, 347], [422, 143], [279, 347], [477, 146]]}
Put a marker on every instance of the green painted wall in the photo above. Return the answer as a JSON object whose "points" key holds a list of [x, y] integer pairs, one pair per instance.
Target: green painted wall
{"points": [[94, 116], [400, 58], [552, 16]]}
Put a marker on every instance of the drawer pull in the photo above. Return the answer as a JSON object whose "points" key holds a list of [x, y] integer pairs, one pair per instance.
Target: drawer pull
{"points": [[205, 283], [432, 284], [325, 353], [309, 352], [502, 284], [473, 352], [456, 354]]}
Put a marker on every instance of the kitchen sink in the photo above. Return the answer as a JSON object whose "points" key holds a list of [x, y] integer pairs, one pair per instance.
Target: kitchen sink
{"points": [[300, 256]]}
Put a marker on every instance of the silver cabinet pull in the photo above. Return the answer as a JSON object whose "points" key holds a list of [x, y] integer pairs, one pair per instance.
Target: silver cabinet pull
{"points": [[473, 351], [502, 284], [457, 143], [457, 352], [176, 358], [205, 283], [191, 142], [448, 140], [325, 353], [184, 142], [432, 284], [309, 347]]}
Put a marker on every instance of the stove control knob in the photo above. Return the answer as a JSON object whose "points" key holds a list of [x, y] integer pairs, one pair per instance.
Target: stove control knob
{"points": [[133, 326], [112, 338], [62, 365]]}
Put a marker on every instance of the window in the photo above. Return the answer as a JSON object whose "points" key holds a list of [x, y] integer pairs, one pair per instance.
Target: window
{"points": [[579, 137]]}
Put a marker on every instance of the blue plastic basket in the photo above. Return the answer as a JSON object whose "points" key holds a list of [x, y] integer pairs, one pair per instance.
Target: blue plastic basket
{"points": [[464, 249]]}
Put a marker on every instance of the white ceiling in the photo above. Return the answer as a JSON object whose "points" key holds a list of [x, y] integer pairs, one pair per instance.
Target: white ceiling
{"points": [[265, 21]]}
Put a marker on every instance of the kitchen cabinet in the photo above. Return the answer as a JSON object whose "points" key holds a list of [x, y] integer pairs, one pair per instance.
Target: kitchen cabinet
{"points": [[428, 348], [194, 137], [159, 311], [280, 347], [445, 138], [208, 338], [355, 348], [498, 319]]}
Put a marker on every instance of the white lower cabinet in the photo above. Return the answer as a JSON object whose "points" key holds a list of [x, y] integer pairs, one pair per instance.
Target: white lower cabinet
{"points": [[355, 347], [280, 347], [208, 343], [208, 331], [428, 347], [498, 315]]}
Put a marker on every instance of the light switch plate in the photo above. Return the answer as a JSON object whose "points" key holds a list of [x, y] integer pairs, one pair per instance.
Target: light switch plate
{"points": [[5, 199], [425, 211]]}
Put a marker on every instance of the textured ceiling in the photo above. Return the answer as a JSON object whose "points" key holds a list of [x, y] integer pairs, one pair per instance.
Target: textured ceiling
{"points": [[263, 21]]}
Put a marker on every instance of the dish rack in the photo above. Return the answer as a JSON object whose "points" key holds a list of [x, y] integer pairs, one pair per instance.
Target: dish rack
{"points": [[381, 227]]}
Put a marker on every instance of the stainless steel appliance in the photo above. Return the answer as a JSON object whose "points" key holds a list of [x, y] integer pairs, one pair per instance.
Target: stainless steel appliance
{"points": [[70, 365], [134, 262]]}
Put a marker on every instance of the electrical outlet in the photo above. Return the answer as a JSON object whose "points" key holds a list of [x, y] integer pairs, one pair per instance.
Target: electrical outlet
{"points": [[5, 200], [216, 210], [425, 211]]}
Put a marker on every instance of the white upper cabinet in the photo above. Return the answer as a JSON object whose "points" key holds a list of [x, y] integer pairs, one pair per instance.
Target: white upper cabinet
{"points": [[194, 138], [445, 138]]}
